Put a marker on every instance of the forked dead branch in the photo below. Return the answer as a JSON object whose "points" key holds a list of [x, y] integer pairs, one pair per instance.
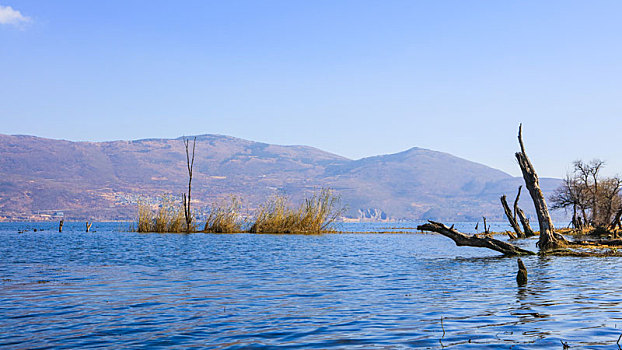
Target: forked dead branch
{"points": [[483, 241]]}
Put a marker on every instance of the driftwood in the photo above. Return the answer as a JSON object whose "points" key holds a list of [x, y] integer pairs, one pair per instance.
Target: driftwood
{"points": [[511, 218], [548, 238], [60, 225], [88, 226], [462, 239]]}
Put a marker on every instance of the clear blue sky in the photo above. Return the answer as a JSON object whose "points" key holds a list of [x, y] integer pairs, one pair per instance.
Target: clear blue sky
{"points": [[357, 78]]}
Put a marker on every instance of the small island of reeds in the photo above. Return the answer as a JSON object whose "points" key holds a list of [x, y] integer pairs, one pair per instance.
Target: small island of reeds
{"points": [[277, 214]]}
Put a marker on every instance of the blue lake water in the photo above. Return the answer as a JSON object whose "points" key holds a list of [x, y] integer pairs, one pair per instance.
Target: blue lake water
{"points": [[119, 289]]}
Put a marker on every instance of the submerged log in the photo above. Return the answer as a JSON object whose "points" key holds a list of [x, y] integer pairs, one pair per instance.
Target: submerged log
{"points": [[511, 218], [462, 239], [548, 239]]}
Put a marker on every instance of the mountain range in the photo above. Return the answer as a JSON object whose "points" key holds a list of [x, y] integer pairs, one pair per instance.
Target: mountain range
{"points": [[46, 179]]}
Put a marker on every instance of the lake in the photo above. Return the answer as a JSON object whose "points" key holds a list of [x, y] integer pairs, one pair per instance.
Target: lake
{"points": [[116, 289]]}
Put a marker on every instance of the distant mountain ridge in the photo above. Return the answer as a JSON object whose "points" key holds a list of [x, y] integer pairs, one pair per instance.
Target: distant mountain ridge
{"points": [[42, 178]]}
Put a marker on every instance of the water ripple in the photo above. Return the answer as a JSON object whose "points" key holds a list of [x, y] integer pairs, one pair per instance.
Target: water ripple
{"points": [[119, 289]]}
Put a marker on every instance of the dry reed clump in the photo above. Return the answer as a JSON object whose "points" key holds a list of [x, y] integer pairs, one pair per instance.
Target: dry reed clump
{"points": [[224, 217], [315, 215], [145, 218], [169, 217]]}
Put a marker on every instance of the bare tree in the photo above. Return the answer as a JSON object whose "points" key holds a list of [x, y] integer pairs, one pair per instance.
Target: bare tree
{"points": [[587, 174], [608, 199], [585, 190], [571, 194], [186, 198]]}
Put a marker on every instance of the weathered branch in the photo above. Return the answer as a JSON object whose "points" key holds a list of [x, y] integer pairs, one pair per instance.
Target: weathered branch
{"points": [[525, 222], [462, 239], [521, 216], [511, 219], [547, 240], [516, 201], [186, 198]]}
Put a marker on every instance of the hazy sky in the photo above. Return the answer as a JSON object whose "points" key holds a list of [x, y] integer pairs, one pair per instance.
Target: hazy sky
{"points": [[357, 78]]}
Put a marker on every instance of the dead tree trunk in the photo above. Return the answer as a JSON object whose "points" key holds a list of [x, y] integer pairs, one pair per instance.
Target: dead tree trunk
{"points": [[548, 239], [88, 226], [60, 225], [186, 198], [462, 239], [525, 222], [511, 218]]}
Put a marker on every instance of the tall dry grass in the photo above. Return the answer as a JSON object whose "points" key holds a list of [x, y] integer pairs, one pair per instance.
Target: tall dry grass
{"points": [[145, 218], [169, 217], [315, 215], [224, 217]]}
